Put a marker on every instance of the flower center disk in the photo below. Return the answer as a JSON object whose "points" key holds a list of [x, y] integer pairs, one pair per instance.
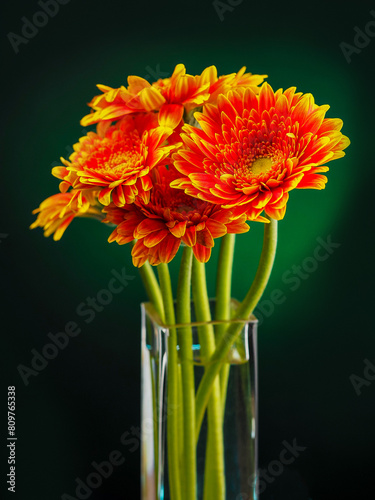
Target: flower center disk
{"points": [[119, 158], [261, 166]]}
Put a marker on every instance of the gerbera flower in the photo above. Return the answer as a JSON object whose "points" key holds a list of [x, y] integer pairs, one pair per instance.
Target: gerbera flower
{"points": [[169, 219], [118, 159], [171, 96], [225, 83], [112, 104], [57, 212], [253, 149]]}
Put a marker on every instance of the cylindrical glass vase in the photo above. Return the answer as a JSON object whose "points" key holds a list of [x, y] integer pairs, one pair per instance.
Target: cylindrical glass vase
{"points": [[230, 474]]}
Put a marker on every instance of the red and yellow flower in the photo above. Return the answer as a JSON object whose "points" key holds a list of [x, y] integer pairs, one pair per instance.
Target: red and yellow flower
{"points": [[118, 159], [248, 148], [225, 83], [113, 104], [252, 149], [170, 96], [169, 219], [57, 212]]}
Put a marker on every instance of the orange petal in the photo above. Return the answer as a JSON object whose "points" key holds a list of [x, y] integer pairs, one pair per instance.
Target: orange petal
{"points": [[105, 196], [168, 250], [151, 99], [313, 181], [154, 238], [148, 226], [275, 213], [179, 229], [190, 236], [205, 238], [217, 229], [201, 253], [170, 115]]}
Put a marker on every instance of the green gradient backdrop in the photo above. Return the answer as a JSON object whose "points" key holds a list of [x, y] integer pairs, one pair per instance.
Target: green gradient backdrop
{"points": [[74, 412]]}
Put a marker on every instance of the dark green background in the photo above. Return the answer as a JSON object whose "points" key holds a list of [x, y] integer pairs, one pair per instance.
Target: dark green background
{"points": [[75, 411]]}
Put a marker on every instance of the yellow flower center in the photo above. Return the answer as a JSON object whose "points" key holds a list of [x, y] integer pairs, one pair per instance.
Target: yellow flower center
{"points": [[261, 166], [121, 162], [121, 157]]}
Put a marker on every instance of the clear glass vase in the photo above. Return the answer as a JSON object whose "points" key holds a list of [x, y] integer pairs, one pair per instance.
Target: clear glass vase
{"points": [[237, 429]]}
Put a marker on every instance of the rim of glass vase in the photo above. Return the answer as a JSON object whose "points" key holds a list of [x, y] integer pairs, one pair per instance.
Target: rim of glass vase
{"points": [[154, 316]]}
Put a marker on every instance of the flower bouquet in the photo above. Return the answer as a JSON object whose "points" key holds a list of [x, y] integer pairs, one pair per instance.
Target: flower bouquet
{"points": [[179, 163]]}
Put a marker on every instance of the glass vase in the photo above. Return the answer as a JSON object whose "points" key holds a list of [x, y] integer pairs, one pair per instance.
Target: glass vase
{"points": [[227, 474]]}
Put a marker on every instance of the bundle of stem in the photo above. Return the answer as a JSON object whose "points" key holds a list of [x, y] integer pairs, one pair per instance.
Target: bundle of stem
{"points": [[211, 393]]}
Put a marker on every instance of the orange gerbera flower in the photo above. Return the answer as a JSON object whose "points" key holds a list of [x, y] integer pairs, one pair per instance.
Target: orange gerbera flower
{"points": [[169, 219], [118, 159], [253, 149], [224, 84], [112, 104], [57, 212], [171, 96]]}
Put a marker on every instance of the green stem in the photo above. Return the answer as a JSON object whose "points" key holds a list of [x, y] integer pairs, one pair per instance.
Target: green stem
{"points": [[223, 298], [172, 366], [245, 309], [187, 373], [166, 294], [224, 278], [152, 287], [214, 477]]}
